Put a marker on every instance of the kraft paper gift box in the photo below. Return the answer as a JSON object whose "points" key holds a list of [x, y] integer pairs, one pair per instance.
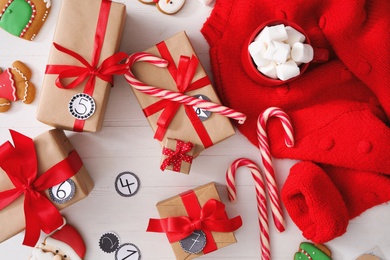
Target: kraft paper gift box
{"points": [[218, 127], [76, 28], [181, 205], [177, 156], [51, 147]]}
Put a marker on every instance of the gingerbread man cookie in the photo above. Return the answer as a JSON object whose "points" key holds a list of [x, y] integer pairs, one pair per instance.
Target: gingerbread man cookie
{"points": [[64, 244], [166, 6], [309, 251], [24, 18], [15, 85]]}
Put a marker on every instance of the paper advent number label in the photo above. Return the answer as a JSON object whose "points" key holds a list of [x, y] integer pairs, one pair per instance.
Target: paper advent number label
{"points": [[63, 192], [194, 243], [127, 251], [109, 242], [202, 113], [82, 106], [127, 184]]}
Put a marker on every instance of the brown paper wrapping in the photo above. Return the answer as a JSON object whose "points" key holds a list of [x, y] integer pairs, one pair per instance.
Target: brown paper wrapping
{"points": [[75, 30], [218, 126], [51, 147], [173, 207], [184, 166]]}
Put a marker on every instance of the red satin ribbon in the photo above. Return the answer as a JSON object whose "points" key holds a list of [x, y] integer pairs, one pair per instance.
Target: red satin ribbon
{"points": [[175, 158], [109, 67], [20, 164], [182, 75], [212, 217]]}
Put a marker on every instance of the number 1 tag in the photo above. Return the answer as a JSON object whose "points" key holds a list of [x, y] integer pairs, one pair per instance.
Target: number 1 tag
{"points": [[82, 106], [63, 192]]}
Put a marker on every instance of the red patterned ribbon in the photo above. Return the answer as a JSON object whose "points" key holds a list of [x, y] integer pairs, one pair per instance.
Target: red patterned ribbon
{"points": [[212, 217], [175, 158], [20, 164], [182, 75], [109, 67]]}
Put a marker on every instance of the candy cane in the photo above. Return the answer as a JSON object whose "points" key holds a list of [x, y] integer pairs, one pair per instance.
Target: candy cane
{"points": [[175, 96], [262, 137], [261, 200]]}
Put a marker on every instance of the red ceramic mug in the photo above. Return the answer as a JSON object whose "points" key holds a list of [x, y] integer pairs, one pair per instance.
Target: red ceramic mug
{"points": [[320, 55]]}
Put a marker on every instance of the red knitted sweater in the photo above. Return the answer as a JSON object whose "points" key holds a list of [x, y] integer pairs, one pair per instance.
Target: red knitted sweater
{"points": [[339, 109]]}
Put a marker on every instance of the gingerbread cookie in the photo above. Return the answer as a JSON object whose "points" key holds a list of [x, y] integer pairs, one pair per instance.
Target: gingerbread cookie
{"points": [[166, 6], [66, 243], [309, 251], [368, 257], [24, 18], [15, 85]]}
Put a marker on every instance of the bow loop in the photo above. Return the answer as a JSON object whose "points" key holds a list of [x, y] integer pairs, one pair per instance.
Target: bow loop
{"points": [[20, 164]]}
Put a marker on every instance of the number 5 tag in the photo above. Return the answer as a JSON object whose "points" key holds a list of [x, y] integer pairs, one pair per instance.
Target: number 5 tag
{"points": [[82, 106]]}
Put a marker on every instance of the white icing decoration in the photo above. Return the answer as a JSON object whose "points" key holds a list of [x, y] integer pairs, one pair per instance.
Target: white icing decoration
{"points": [[171, 6], [48, 3]]}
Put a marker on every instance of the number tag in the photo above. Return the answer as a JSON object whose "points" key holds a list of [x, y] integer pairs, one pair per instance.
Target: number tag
{"points": [[63, 192], [128, 251], [194, 243], [200, 112], [82, 106]]}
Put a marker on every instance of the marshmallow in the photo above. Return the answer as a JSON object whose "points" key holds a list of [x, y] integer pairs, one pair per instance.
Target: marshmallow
{"points": [[263, 36], [294, 36], [257, 50], [277, 33], [282, 52], [287, 70], [269, 70], [302, 52]]}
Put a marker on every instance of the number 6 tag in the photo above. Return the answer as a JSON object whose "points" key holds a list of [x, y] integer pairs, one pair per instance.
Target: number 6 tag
{"points": [[63, 192], [82, 106]]}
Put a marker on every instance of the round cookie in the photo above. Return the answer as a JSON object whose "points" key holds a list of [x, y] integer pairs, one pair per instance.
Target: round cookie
{"points": [[309, 251], [170, 6], [15, 85]]}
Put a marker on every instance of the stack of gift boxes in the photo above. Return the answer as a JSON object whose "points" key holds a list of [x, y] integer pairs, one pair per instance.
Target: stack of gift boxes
{"points": [[74, 95]]}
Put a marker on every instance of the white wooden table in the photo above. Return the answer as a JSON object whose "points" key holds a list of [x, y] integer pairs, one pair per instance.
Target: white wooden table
{"points": [[126, 144]]}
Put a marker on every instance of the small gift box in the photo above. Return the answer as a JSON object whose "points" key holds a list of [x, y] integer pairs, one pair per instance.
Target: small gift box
{"points": [[195, 222], [37, 179], [81, 64], [172, 104], [177, 155]]}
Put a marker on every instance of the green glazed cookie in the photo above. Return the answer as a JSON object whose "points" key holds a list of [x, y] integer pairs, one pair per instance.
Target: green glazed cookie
{"points": [[309, 251]]}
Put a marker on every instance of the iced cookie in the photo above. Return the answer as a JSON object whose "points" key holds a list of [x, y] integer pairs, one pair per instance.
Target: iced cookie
{"points": [[170, 6], [15, 85], [147, 1], [63, 244], [24, 18], [309, 251]]}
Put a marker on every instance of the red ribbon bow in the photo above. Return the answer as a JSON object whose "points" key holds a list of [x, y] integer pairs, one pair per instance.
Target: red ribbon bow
{"points": [[176, 157], [211, 217], [20, 164], [109, 67], [183, 74]]}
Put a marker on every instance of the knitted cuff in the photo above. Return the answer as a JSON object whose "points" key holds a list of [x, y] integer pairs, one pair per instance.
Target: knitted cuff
{"points": [[314, 203], [216, 24]]}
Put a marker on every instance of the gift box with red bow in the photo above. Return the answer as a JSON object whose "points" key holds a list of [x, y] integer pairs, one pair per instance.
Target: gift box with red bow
{"points": [[37, 179], [177, 155], [195, 222], [171, 116], [81, 64]]}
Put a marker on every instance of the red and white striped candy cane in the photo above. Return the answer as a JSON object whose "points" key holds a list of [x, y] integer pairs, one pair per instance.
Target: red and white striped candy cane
{"points": [[267, 161], [260, 196], [175, 96]]}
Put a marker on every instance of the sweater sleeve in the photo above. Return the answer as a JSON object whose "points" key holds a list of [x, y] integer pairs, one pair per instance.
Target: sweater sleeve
{"points": [[218, 21], [358, 31]]}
